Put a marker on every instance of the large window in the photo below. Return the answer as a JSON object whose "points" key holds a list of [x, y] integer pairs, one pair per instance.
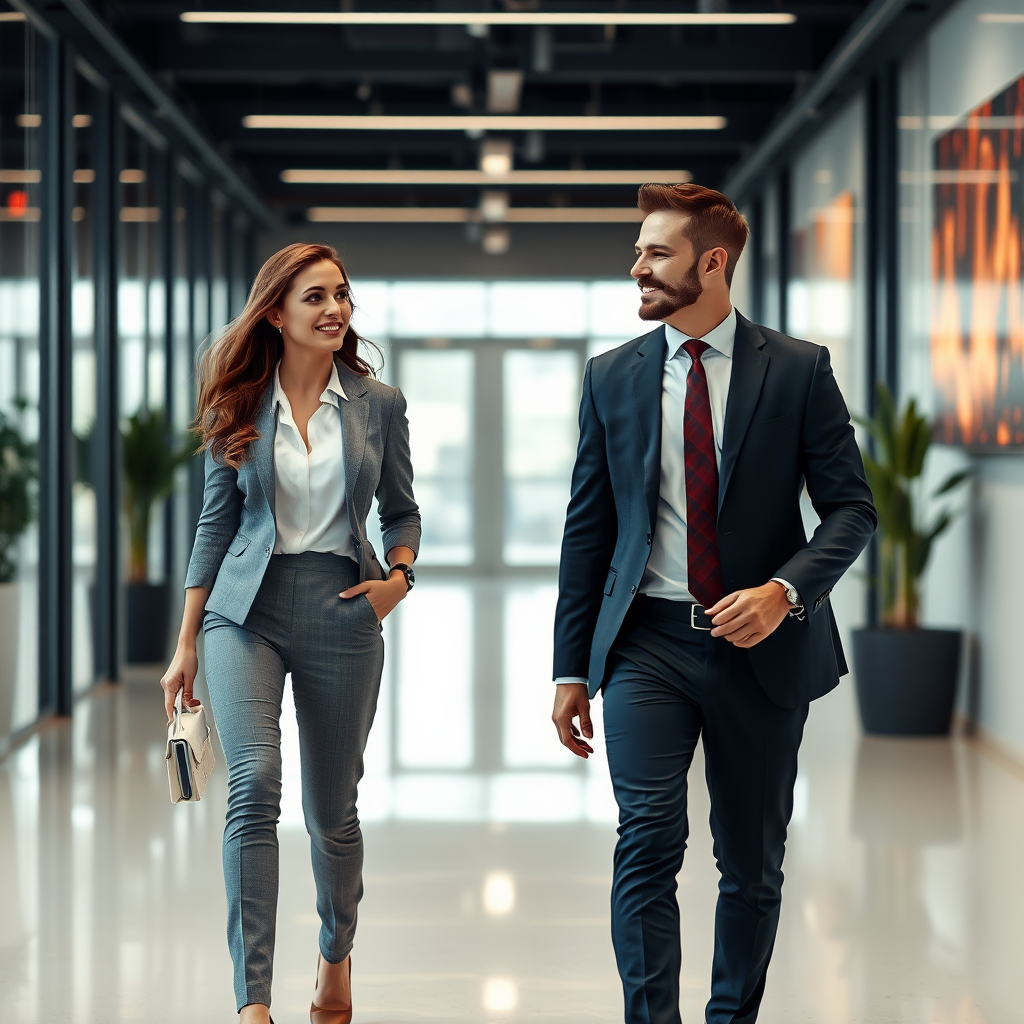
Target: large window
{"points": [[23, 112], [492, 373]]}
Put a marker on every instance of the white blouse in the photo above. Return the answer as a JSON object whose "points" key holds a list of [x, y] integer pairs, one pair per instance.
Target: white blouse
{"points": [[309, 487]]}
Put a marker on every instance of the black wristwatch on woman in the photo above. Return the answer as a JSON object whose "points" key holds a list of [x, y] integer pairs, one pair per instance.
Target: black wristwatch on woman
{"points": [[410, 576]]}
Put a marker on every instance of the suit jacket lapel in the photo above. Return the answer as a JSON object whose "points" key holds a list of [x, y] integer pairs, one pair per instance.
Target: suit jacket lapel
{"points": [[648, 372], [263, 447], [749, 365], [355, 414]]}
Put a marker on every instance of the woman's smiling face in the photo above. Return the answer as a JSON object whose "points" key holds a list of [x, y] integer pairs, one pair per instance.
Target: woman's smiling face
{"points": [[315, 311]]}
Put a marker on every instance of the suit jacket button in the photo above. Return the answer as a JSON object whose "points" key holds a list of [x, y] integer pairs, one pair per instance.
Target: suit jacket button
{"points": [[267, 552], [632, 590]]}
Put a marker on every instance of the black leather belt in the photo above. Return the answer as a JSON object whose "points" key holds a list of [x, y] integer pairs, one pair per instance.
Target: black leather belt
{"points": [[687, 612]]}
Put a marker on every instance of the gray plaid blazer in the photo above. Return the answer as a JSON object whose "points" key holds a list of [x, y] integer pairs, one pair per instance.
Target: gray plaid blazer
{"points": [[237, 529]]}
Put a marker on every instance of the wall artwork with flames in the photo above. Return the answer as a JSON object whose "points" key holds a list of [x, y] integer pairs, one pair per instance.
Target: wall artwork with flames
{"points": [[977, 327]]}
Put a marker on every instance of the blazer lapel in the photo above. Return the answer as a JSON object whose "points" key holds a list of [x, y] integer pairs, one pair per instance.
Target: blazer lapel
{"points": [[749, 364], [355, 414], [648, 372], [263, 447]]}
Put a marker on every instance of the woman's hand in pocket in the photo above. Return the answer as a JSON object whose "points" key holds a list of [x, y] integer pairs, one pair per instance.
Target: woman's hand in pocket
{"points": [[383, 595]]}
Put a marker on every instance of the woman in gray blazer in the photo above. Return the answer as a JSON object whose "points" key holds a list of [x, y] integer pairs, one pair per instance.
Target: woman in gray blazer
{"points": [[299, 437]]}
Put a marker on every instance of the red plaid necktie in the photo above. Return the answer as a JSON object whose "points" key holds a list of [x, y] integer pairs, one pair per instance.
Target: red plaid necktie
{"points": [[704, 570]]}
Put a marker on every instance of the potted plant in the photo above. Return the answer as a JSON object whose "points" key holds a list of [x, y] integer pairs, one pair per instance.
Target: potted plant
{"points": [[18, 470], [150, 458], [906, 676]]}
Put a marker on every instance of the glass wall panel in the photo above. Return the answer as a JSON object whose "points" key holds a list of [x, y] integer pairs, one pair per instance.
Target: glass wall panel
{"points": [[219, 298], [771, 260], [541, 397], [438, 386], [83, 390], [142, 353], [961, 174], [182, 391], [239, 283], [825, 302], [826, 290], [23, 58]]}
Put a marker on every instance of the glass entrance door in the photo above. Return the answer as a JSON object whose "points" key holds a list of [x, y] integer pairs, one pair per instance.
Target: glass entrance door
{"points": [[493, 427]]}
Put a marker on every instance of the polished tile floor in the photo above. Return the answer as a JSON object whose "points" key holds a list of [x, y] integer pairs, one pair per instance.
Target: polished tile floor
{"points": [[488, 857]]}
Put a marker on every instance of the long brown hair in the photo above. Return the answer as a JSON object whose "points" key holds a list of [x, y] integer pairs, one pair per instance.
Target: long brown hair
{"points": [[236, 370]]}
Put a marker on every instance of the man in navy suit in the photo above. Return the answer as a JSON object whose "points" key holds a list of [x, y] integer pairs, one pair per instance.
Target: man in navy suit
{"points": [[691, 597]]}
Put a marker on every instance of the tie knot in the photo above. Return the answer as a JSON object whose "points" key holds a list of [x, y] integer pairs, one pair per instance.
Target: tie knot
{"points": [[695, 348]]}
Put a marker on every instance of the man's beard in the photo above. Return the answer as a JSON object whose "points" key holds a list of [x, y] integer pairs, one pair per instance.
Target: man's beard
{"points": [[684, 294]]}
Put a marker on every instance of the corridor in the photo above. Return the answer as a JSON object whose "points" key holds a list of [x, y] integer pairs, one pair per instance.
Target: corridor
{"points": [[488, 858]]}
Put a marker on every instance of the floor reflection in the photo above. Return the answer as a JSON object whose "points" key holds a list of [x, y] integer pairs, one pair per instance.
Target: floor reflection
{"points": [[488, 858]]}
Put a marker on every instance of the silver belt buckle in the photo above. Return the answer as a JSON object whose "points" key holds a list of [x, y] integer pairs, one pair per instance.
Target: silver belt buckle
{"points": [[693, 615]]}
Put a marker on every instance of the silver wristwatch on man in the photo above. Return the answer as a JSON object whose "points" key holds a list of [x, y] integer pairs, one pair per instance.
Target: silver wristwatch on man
{"points": [[796, 606]]}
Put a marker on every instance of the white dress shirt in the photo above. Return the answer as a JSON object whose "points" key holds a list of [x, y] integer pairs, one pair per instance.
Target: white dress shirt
{"points": [[309, 486], [666, 572]]}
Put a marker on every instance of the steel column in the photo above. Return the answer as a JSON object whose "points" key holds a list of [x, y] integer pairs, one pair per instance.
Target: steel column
{"points": [[56, 467]]}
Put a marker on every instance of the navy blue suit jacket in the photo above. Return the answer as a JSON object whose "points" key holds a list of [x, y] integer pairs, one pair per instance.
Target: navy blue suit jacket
{"points": [[786, 425]]}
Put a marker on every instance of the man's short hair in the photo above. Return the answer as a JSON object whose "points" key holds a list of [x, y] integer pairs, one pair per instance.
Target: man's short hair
{"points": [[714, 220]]}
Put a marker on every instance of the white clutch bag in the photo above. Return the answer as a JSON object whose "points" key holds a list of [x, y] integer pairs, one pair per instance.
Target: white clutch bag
{"points": [[189, 753]]}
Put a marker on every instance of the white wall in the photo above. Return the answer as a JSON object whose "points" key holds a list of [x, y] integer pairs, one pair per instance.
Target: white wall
{"points": [[976, 580]]}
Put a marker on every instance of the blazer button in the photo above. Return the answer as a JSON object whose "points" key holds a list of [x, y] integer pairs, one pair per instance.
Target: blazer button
{"points": [[267, 552], [632, 590]]}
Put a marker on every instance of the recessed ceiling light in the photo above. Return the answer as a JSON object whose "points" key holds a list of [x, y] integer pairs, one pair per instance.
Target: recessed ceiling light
{"points": [[300, 176], [495, 157], [503, 91], [483, 123], [1002, 19], [494, 206], [496, 241], [483, 18]]}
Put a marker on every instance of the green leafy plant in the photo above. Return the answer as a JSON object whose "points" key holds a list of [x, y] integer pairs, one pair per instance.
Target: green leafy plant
{"points": [[18, 468], [905, 540], [150, 456]]}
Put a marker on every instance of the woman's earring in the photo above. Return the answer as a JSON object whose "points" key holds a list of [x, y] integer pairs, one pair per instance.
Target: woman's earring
{"points": [[280, 330]]}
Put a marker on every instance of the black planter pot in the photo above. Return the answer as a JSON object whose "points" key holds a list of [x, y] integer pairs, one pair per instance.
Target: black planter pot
{"points": [[906, 680], [147, 614]]}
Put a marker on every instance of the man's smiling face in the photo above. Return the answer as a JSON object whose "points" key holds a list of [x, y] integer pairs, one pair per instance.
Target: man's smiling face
{"points": [[666, 266]]}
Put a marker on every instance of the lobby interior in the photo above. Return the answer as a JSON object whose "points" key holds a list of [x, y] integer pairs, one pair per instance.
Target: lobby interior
{"points": [[153, 155]]}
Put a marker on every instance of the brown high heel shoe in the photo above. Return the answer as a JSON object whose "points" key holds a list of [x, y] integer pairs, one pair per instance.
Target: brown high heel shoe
{"points": [[331, 1014]]}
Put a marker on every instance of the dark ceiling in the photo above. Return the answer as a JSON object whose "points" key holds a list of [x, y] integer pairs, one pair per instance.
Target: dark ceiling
{"points": [[221, 73]]}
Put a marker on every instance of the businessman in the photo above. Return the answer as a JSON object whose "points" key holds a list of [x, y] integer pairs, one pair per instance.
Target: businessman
{"points": [[691, 597]]}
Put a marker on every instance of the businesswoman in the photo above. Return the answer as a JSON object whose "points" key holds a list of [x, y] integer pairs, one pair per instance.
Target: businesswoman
{"points": [[299, 437]]}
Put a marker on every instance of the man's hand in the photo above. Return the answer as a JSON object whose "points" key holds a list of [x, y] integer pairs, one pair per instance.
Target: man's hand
{"points": [[746, 617], [572, 700]]}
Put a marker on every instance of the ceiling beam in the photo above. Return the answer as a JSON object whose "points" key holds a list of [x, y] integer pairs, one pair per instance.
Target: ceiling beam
{"points": [[323, 61]]}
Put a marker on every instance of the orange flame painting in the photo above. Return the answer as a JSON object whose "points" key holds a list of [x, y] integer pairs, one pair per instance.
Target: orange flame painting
{"points": [[977, 319]]}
